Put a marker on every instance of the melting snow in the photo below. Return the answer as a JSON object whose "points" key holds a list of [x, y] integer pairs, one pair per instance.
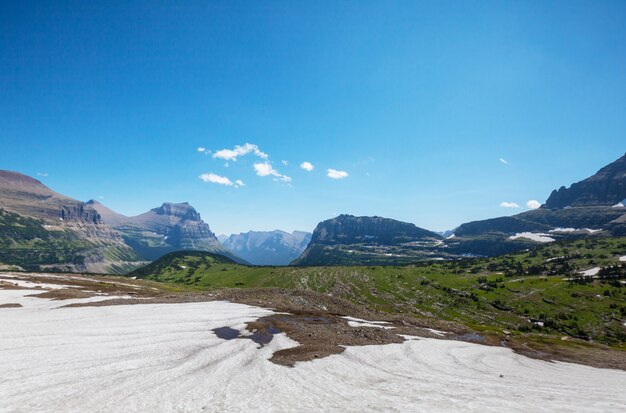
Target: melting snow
{"points": [[591, 272], [538, 237], [437, 332], [30, 284], [587, 230], [358, 322], [164, 357]]}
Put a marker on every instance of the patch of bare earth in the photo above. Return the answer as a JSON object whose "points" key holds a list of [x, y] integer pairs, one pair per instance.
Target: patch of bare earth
{"points": [[10, 305]]}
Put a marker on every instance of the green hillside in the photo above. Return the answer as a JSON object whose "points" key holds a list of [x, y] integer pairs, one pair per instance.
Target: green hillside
{"points": [[538, 291]]}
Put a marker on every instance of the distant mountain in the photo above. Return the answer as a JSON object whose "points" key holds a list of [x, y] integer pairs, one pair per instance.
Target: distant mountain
{"points": [[268, 247], [351, 240], [168, 228], [591, 207], [43, 230], [606, 188]]}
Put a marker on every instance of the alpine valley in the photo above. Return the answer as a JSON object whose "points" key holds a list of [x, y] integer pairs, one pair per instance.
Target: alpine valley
{"points": [[43, 230]]}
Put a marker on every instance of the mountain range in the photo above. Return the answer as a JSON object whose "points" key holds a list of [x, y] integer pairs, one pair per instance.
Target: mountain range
{"points": [[267, 247], [44, 230], [592, 207]]}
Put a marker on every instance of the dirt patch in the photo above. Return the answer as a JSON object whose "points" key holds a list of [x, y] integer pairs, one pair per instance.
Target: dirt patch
{"points": [[319, 335], [574, 351], [64, 294], [10, 305], [5, 285]]}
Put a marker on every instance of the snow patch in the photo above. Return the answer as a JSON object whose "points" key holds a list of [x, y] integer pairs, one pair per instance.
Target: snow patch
{"points": [[358, 322], [533, 236], [438, 332], [591, 272], [587, 230], [29, 284], [164, 357]]}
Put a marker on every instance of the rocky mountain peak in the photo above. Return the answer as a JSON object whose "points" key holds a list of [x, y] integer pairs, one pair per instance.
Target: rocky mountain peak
{"points": [[350, 229], [606, 188], [183, 210]]}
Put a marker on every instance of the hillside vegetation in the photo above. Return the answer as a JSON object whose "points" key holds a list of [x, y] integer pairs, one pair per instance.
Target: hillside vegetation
{"points": [[541, 291]]}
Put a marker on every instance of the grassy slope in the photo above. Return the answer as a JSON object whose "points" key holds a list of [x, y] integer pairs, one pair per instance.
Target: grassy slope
{"points": [[491, 294]]}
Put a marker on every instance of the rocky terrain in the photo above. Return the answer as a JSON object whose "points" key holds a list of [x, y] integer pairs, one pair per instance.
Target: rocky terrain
{"points": [[268, 247]]}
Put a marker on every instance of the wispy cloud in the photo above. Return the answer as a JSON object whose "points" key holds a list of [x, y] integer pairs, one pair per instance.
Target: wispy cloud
{"points": [[201, 149], [239, 182], [239, 150], [216, 179], [504, 161], [44, 174], [307, 166], [533, 204], [509, 205], [285, 162], [266, 169], [335, 174]]}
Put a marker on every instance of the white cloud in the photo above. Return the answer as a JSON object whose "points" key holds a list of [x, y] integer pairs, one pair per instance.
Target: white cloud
{"points": [[216, 179], [240, 150], [265, 169], [201, 149], [509, 205], [285, 163], [239, 182], [504, 161], [307, 166], [533, 204], [42, 173], [335, 174]]}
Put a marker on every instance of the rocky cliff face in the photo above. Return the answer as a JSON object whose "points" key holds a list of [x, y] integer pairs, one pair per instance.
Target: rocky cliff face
{"points": [[43, 230], [29, 197], [348, 229], [268, 247], [606, 188], [350, 240], [168, 228]]}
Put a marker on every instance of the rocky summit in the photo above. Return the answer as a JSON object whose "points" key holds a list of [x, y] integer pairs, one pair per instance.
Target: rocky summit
{"points": [[349, 239], [167, 228], [606, 188]]}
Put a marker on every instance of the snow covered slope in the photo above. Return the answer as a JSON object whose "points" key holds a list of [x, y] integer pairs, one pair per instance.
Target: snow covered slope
{"points": [[165, 357]]}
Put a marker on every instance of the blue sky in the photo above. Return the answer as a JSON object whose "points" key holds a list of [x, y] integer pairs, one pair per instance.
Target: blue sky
{"points": [[416, 101]]}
